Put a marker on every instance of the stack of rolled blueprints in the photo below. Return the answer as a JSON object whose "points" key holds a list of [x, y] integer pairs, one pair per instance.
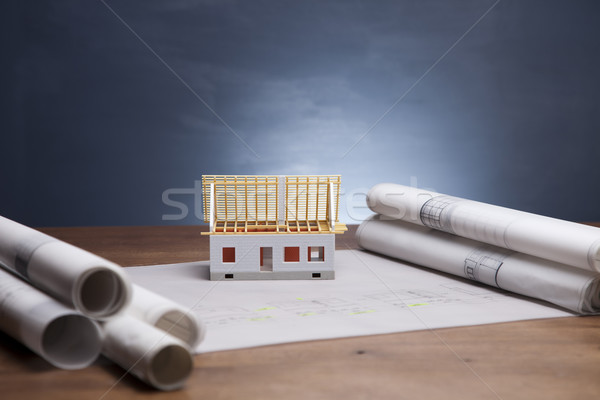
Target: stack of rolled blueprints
{"points": [[532, 255], [69, 305]]}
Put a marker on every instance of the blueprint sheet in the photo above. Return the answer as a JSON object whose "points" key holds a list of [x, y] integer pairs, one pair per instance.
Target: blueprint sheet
{"points": [[370, 295]]}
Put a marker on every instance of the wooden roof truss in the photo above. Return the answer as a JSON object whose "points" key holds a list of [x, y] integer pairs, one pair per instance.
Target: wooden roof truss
{"points": [[255, 204]]}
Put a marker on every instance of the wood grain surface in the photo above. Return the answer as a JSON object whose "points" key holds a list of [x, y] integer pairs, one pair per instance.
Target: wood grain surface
{"points": [[542, 359]]}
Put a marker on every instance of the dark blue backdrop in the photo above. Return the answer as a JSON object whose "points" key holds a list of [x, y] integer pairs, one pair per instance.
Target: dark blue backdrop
{"points": [[112, 111]]}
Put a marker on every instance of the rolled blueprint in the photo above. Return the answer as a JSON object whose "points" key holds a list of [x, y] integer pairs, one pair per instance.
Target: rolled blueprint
{"points": [[572, 288], [166, 315], [553, 239], [150, 354], [94, 286], [61, 336]]}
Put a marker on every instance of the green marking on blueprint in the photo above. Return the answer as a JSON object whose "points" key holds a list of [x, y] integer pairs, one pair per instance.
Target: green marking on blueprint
{"points": [[258, 319], [308, 314], [265, 308], [299, 298], [362, 312], [418, 304]]}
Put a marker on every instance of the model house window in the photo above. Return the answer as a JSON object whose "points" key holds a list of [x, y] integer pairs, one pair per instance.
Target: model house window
{"points": [[316, 253], [228, 254], [291, 254]]}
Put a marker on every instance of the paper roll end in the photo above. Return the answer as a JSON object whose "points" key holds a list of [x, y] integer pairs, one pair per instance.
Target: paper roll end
{"points": [[170, 367], [71, 341], [183, 326], [101, 292]]}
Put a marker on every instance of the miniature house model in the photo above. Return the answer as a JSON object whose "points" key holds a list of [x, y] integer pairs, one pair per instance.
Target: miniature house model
{"points": [[271, 227]]}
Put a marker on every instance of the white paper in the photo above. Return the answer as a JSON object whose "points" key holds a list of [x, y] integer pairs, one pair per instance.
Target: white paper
{"points": [[573, 288], [370, 295], [166, 315], [553, 239], [147, 352], [59, 335], [94, 286]]}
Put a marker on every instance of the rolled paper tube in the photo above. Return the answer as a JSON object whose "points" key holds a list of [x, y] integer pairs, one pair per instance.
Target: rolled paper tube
{"points": [[573, 288], [94, 286], [550, 238], [58, 334], [149, 353], [166, 315]]}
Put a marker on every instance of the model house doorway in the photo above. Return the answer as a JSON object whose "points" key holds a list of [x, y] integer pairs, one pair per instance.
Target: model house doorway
{"points": [[266, 259]]}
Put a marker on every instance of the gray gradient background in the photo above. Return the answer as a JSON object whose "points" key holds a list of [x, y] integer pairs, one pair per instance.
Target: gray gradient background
{"points": [[95, 127]]}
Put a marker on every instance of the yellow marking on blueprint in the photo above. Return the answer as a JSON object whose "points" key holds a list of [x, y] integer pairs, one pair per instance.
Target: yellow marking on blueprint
{"points": [[299, 298], [308, 314], [418, 304], [257, 319], [362, 312], [265, 308]]}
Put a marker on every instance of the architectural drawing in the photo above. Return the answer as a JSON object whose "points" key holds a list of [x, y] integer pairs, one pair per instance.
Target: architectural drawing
{"points": [[573, 288], [388, 296], [485, 262], [433, 212], [271, 227], [553, 239]]}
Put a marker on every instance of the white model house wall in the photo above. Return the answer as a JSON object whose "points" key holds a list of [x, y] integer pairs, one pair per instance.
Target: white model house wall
{"points": [[245, 262]]}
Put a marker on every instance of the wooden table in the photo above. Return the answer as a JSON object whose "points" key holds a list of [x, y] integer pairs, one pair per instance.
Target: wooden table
{"points": [[542, 359]]}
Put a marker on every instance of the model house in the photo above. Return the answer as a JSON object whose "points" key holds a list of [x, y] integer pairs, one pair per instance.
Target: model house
{"points": [[272, 227]]}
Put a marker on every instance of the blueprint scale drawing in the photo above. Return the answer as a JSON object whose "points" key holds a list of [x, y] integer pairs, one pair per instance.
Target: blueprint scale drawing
{"points": [[370, 295]]}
